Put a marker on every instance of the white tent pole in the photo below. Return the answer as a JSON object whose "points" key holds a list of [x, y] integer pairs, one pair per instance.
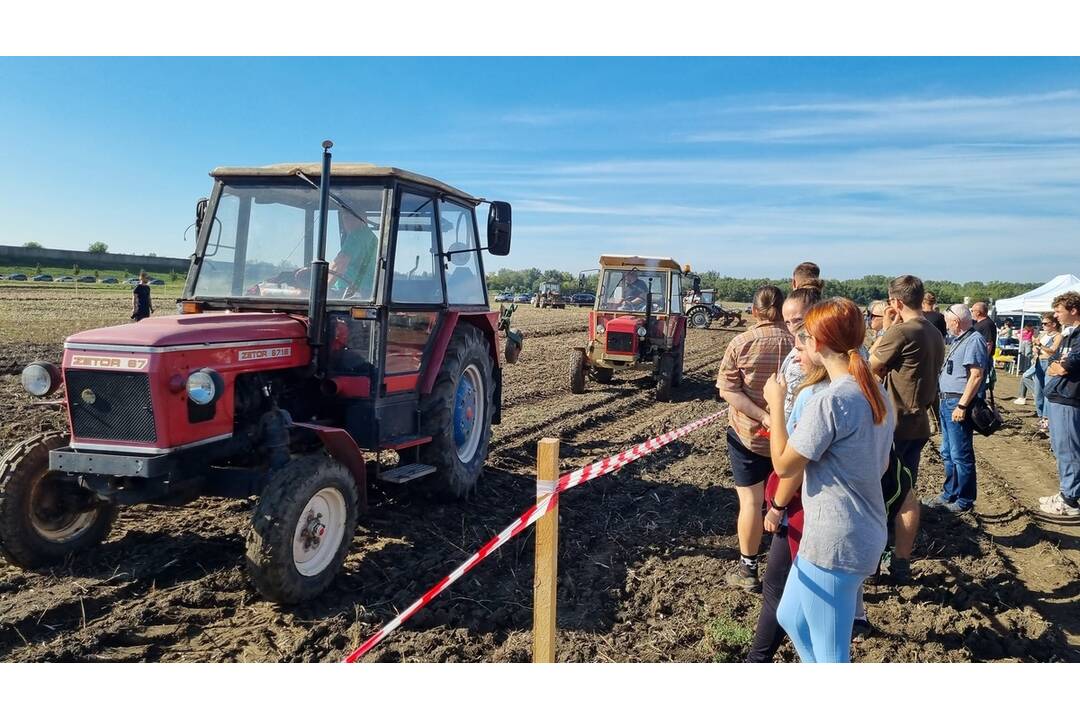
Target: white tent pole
{"points": [[1020, 344]]}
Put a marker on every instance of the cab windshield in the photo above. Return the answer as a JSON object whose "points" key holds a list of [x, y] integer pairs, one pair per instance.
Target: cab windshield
{"points": [[262, 241], [629, 290]]}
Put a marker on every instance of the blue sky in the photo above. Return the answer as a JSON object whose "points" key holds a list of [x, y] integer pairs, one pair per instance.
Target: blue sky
{"points": [[948, 168]]}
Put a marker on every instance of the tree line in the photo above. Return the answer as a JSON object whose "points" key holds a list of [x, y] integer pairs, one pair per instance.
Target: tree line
{"points": [[862, 290]]}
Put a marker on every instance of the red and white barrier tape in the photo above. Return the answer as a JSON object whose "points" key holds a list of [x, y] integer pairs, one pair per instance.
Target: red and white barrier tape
{"points": [[530, 516]]}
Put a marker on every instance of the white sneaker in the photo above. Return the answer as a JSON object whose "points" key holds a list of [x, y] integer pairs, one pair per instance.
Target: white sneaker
{"points": [[1047, 499], [1057, 506], [1020, 401]]}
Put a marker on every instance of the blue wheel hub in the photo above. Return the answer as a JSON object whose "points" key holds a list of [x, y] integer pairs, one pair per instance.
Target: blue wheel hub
{"points": [[465, 410]]}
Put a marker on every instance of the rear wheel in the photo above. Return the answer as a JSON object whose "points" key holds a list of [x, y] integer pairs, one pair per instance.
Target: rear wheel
{"points": [[577, 373], [698, 318], [677, 378], [302, 528], [665, 377], [43, 516], [457, 413]]}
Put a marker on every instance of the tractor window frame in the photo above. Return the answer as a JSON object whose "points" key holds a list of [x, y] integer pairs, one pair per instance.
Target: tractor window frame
{"points": [[476, 252]]}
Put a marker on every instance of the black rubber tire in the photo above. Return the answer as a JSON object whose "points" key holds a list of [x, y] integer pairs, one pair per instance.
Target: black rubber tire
{"points": [[269, 556], [577, 373], [698, 318], [677, 378], [602, 375], [456, 478], [21, 469], [665, 376]]}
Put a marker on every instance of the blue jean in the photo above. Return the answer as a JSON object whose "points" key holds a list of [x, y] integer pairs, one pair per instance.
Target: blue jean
{"points": [[817, 611], [958, 455], [1035, 377], [1065, 441]]}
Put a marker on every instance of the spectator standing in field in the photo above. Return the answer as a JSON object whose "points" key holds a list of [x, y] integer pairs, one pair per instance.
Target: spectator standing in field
{"points": [[750, 359], [929, 308], [908, 356], [984, 326], [1063, 408], [1043, 351], [875, 318], [141, 306], [837, 453], [795, 307], [1026, 356], [806, 274], [960, 380]]}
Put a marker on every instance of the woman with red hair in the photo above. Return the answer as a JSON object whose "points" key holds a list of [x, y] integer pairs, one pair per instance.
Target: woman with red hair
{"points": [[837, 453]]}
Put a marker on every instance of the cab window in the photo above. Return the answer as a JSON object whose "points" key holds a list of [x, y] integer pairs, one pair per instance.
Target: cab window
{"points": [[417, 263], [464, 282]]}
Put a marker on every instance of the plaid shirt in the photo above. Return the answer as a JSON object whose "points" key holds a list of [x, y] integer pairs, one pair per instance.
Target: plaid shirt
{"points": [[748, 362]]}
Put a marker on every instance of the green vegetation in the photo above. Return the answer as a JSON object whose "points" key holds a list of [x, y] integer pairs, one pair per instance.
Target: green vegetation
{"points": [[729, 639], [31, 244], [862, 290], [98, 247]]}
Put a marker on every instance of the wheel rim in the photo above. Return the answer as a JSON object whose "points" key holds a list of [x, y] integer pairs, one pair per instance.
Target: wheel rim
{"points": [[319, 531], [469, 413], [699, 320], [50, 516]]}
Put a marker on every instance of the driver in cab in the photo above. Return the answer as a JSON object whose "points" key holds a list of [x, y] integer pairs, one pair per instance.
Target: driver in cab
{"points": [[352, 271], [634, 292]]}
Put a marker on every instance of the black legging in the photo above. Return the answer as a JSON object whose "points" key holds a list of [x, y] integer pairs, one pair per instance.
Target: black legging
{"points": [[769, 634]]}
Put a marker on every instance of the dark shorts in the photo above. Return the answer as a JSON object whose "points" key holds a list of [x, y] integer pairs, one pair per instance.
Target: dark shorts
{"points": [[898, 481], [748, 467]]}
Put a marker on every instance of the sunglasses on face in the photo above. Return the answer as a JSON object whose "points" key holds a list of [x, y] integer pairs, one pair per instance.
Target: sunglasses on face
{"points": [[803, 336]]}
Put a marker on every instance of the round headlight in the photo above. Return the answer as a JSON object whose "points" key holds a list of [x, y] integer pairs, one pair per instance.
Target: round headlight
{"points": [[40, 378], [642, 331], [599, 328], [201, 388]]}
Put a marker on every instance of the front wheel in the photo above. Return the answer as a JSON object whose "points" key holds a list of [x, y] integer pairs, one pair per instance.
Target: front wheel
{"points": [[44, 517], [665, 377], [699, 318], [303, 525], [577, 373]]}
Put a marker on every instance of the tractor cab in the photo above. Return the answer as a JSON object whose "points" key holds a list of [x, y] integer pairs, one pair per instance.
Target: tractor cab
{"points": [[334, 329], [549, 295], [637, 320]]}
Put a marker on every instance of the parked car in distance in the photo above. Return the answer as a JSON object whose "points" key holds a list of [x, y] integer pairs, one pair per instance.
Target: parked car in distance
{"points": [[64, 278], [156, 281], [87, 279], [132, 281], [109, 280], [43, 278], [504, 297], [523, 298], [17, 276], [583, 299]]}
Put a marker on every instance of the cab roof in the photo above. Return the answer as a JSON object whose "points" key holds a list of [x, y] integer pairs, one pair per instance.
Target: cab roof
{"points": [[343, 170], [644, 261]]}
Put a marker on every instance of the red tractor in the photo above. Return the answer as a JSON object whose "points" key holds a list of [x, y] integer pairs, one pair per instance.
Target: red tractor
{"points": [[282, 370], [637, 321]]}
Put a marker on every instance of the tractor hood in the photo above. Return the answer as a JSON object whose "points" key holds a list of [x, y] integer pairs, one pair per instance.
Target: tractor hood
{"points": [[624, 323], [197, 329]]}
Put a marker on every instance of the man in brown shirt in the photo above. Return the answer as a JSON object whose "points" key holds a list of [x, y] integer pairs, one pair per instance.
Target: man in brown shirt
{"points": [[908, 355], [750, 359]]}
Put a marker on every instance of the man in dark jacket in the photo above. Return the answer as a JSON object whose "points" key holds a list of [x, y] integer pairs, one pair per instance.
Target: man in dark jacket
{"points": [[1062, 394], [141, 306]]}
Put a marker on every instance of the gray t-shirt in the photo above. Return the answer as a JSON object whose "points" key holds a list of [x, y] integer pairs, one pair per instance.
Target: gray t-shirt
{"points": [[841, 496]]}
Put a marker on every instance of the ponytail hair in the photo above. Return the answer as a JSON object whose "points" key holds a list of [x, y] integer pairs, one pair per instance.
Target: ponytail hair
{"points": [[837, 324]]}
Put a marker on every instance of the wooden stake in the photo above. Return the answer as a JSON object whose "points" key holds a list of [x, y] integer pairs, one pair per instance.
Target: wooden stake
{"points": [[547, 548]]}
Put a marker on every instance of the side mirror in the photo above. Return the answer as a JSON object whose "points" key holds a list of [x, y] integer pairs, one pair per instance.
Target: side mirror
{"points": [[200, 212], [697, 284], [498, 233]]}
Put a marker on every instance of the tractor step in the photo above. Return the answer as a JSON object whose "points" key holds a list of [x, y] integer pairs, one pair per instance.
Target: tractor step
{"points": [[401, 442], [404, 473]]}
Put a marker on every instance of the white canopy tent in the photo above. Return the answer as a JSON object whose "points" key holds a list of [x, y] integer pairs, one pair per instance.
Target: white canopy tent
{"points": [[1036, 301]]}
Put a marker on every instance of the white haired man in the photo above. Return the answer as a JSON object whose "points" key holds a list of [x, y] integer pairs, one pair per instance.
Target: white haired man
{"points": [[960, 380]]}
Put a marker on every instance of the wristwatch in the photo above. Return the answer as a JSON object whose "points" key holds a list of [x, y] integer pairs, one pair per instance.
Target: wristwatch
{"points": [[774, 506], [962, 407]]}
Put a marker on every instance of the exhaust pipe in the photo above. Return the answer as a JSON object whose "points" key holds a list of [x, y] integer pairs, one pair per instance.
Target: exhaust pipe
{"points": [[319, 269]]}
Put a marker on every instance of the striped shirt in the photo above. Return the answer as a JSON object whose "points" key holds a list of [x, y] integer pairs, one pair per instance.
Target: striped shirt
{"points": [[748, 362]]}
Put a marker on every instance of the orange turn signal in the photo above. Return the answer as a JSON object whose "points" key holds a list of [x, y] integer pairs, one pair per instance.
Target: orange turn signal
{"points": [[362, 313], [188, 307]]}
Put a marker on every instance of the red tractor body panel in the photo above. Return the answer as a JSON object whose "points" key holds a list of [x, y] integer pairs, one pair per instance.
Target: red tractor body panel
{"points": [[166, 351]]}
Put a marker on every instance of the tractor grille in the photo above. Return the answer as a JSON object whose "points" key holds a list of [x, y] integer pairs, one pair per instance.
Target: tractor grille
{"points": [[620, 342], [121, 409]]}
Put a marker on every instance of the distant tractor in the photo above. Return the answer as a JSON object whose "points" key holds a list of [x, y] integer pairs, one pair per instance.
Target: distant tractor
{"points": [[549, 296], [702, 311], [637, 320], [282, 371]]}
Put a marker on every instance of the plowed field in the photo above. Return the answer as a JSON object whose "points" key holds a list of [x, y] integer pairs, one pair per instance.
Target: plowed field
{"points": [[642, 555]]}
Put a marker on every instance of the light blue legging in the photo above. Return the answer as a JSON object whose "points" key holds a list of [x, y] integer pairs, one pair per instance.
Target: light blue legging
{"points": [[817, 611]]}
